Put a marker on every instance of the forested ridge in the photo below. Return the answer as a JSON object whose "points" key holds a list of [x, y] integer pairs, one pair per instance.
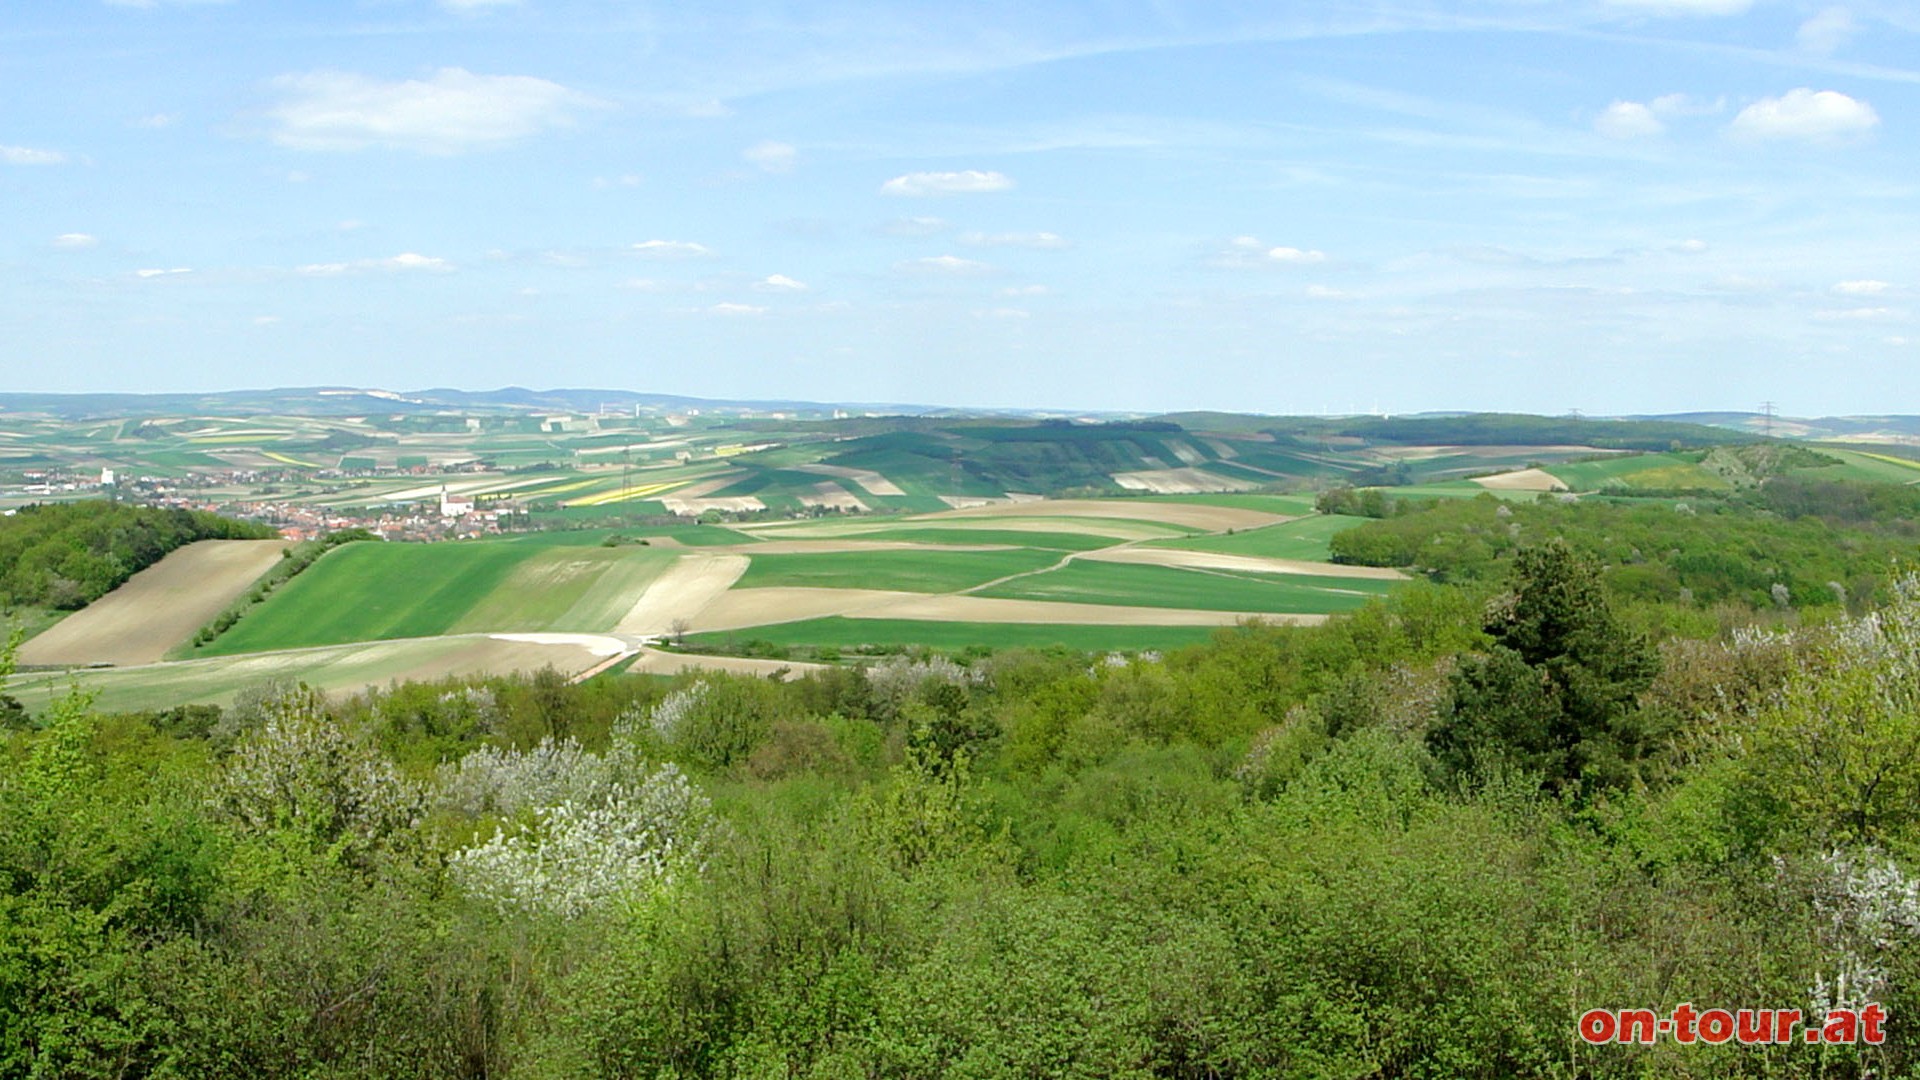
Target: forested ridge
{"points": [[66, 555], [1416, 842]]}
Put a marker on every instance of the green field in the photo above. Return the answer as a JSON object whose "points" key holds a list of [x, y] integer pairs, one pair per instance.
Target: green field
{"points": [[1085, 582], [1646, 471], [1305, 538], [929, 570], [370, 592], [1271, 504], [1867, 467], [846, 633]]}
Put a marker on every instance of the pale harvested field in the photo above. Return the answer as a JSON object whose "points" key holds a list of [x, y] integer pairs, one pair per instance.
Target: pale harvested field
{"points": [[686, 507], [1111, 528], [1222, 447], [1215, 560], [828, 493], [1521, 480], [837, 546], [742, 608], [655, 662], [1188, 481], [871, 482], [968, 502], [992, 609], [745, 608], [1186, 453], [1421, 453], [694, 581], [1191, 515], [158, 608], [334, 669]]}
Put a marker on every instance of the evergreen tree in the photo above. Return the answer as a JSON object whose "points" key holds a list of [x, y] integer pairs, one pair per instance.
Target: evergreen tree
{"points": [[1556, 693]]}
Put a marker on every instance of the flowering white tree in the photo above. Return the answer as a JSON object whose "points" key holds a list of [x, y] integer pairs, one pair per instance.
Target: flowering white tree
{"points": [[587, 831]]}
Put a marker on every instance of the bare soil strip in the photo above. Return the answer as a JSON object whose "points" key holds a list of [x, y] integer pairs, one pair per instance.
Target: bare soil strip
{"points": [[830, 547], [158, 608], [745, 608], [994, 609], [871, 481], [1521, 480], [1188, 481], [1214, 560], [686, 507], [1191, 515], [828, 493], [694, 581], [655, 662], [742, 608]]}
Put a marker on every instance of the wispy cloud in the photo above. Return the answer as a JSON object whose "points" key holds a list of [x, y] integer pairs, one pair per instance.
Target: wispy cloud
{"points": [[772, 157], [454, 110], [780, 283], [1818, 116], [74, 241], [1861, 287], [1684, 7], [1628, 120], [1826, 32], [942, 264], [27, 155], [968, 182], [671, 249], [1250, 252], [1040, 241], [160, 273], [405, 261]]}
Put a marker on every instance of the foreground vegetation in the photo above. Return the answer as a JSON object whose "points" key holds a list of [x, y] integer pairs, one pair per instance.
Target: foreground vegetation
{"points": [[1418, 841]]}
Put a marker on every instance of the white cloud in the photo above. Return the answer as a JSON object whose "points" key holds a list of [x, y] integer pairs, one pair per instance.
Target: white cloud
{"points": [[726, 308], [1863, 287], [74, 241], [1296, 257], [1042, 241], [1822, 116], [942, 264], [969, 182], [406, 260], [1685, 105], [916, 226], [780, 283], [1826, 32], [1859, 314], [452, 111], [157, 273], [1628, 120], [1686, 7], [27, 155], [671, 249], [773, 157]]}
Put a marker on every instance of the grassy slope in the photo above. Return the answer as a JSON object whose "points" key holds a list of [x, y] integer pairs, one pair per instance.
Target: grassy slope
{"points": [[910, 571], [1303, 539], [1159, 586], [849, 633], [366, 592]]}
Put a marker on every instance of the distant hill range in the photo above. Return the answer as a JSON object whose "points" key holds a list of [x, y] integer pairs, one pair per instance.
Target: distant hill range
{"points": [[1641, 431]]}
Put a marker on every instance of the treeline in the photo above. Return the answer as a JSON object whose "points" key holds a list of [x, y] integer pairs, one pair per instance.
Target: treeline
{"points": [[65, 555], [1810, 552], [1419, 841]]}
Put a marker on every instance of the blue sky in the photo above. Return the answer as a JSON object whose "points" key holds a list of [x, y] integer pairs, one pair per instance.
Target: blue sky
{"points": [[1617, 206]]}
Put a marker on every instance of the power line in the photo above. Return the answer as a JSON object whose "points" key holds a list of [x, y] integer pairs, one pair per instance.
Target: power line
{"points": [[1766, 411]]}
